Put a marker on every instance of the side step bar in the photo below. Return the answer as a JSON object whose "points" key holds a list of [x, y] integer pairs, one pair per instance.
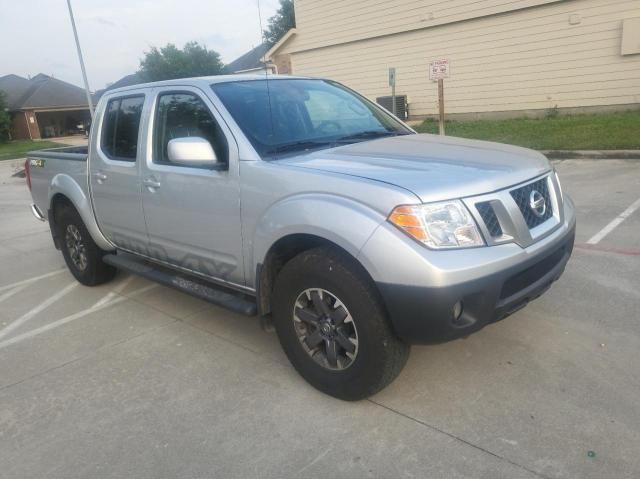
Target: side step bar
{"points": [[219, 296]]}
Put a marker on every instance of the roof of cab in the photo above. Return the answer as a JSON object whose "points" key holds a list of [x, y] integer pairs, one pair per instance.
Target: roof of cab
{"points": [[202, 81]]}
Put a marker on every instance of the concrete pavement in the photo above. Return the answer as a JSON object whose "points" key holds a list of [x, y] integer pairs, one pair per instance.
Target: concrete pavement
{"points": [[131, 379]]}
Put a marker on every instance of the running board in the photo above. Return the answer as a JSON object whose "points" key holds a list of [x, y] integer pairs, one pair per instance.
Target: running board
{"points": [[219, 296]]}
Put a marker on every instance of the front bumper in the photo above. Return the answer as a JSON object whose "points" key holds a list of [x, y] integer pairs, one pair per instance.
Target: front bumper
{"points": [[490, 282]]}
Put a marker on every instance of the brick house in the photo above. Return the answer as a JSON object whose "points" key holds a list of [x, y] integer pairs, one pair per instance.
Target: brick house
{"points": [[44, 107]]}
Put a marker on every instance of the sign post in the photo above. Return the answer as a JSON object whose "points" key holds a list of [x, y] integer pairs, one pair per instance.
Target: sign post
{"points": [[438, 71], [392, 84], [441, 106]]}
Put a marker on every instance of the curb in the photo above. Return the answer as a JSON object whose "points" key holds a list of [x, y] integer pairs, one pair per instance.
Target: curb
{"points": [[592, 154]]}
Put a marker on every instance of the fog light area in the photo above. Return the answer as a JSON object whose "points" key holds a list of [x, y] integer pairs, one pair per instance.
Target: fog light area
{"points": [[457, 310]]}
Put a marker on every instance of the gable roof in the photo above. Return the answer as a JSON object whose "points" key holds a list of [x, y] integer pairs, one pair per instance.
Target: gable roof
{"points": [[15, 88], [280, 43], [41, 91], [251, 60]]}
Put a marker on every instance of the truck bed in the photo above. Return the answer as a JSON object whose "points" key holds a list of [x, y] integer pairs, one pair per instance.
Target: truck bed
{"points": [[68, 163]]}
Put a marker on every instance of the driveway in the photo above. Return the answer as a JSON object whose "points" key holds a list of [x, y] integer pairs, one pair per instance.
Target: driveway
{"points": [[75, 140], [131, 379]]}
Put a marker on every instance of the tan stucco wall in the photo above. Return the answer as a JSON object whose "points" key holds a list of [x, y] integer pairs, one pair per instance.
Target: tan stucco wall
{"points": [[560, 53]]}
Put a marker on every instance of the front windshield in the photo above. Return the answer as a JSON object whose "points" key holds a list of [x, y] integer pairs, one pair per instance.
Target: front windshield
{"points": [[292, 115]]}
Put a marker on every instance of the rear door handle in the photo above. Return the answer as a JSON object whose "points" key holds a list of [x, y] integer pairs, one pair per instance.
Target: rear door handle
{"points": [[151, 183], [100, 177]]}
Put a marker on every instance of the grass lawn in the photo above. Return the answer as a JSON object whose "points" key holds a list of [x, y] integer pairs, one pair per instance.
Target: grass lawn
{"points": [[603, 131], [19, 149]]}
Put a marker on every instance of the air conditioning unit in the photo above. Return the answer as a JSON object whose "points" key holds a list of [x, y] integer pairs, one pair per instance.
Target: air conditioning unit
{"points": [[402, 106]]}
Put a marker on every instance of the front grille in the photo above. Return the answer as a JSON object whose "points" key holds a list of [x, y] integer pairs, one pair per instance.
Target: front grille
{"points": [[490, 219], [522, 197]]}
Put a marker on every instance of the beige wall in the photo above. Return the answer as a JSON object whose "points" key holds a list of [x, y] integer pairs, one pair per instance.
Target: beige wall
{"points": [[526, 59], [328, 22]]}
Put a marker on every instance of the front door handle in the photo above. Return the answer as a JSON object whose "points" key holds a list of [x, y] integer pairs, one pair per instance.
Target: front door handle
{"points": [[151, 183], [100, 177]]}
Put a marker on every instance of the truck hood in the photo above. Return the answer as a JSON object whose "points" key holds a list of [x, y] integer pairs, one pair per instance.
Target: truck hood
{"points": [[432, 167]]}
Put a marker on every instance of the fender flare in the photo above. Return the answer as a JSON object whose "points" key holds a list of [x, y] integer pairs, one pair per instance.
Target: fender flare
{"points": [[65, 185], [339, 220]]}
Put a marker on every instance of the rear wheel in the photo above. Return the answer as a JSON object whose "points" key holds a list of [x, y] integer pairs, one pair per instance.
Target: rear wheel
{"points": [[333, 327], [81, 253]]}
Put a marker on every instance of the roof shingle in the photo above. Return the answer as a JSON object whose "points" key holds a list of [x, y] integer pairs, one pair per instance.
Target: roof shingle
{"points": [[41, 91], [249, 61]]}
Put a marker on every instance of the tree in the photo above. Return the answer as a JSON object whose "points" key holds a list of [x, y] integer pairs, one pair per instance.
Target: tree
{"points": [[5, 120], [281, 22], [170, 62]]}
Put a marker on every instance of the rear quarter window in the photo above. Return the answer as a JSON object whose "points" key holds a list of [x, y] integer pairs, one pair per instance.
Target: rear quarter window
{"points": [[121, 128]]}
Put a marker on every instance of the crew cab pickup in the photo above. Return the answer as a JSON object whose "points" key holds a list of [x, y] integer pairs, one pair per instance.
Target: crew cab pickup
{"points": [[302, 202]]}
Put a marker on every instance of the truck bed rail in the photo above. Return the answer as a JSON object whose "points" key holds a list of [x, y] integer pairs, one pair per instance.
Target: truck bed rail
{"points": [[74, 153]]}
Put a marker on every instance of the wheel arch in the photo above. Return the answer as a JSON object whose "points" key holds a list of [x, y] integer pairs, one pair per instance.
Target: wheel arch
{"points": [[64, 190], [284, 250], [301, 222]]}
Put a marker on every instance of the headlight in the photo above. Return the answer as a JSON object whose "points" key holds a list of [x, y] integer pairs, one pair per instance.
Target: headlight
{"points": [[446, 224]]}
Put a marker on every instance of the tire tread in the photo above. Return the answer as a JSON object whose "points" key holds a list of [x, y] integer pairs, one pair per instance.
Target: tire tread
{"points": [[97, 272], [395, 352]]}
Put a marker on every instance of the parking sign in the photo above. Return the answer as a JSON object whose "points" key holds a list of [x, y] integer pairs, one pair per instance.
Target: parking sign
{"points": [[439, 69]]}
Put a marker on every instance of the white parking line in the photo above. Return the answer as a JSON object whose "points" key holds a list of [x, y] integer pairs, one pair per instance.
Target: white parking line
{"points": [[31, 313], [80, 314], [614, 224], [31, 280], [112, 294], [10, 293]]}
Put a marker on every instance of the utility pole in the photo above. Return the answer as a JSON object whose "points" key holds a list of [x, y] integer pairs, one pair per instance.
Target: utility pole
{"points": [[84, 72]]}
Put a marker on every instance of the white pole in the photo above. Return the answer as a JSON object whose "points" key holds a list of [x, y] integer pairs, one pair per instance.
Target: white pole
{"points": [[84, 72]]}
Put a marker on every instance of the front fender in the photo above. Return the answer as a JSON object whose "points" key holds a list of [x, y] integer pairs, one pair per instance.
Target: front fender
{"points": [[343, 221], [65, 185]]}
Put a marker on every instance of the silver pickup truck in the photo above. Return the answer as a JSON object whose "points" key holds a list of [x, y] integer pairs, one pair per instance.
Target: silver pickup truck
{"points": [[300, 201]]}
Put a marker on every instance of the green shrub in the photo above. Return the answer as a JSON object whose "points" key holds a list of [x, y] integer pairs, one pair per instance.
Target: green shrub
{"points": [[5, 120]]}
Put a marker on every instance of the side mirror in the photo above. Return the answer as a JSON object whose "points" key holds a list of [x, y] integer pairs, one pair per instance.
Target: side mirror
{"points": [[192, 151]]}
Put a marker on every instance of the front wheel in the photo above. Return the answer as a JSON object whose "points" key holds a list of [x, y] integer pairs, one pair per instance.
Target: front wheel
{"points": [[81, 253], [333, 327]]}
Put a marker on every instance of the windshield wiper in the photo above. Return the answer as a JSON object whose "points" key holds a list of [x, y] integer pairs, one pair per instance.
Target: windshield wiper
{"points": [[369, 134], [300, 145]]}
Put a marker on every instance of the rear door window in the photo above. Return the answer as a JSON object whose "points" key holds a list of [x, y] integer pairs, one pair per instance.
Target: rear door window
{"points": [[121, 128]]}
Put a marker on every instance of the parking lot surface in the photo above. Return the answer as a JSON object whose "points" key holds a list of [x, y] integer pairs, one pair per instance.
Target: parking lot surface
{"points": [[131, 379]]}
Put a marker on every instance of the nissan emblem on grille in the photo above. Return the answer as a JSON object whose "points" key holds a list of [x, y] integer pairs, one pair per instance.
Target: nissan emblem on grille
{"points": [[537, 203]]}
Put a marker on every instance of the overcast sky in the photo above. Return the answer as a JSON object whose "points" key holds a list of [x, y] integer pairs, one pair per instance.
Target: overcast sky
{"points": [[36, 35]]}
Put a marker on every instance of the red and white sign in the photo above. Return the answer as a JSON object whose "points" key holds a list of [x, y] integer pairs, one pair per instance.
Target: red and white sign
{"points": [[439, 69]]}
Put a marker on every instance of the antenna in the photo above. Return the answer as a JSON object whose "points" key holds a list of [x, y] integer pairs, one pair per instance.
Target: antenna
{"points": [[84, 72], [262, 37], [266, 68]]}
